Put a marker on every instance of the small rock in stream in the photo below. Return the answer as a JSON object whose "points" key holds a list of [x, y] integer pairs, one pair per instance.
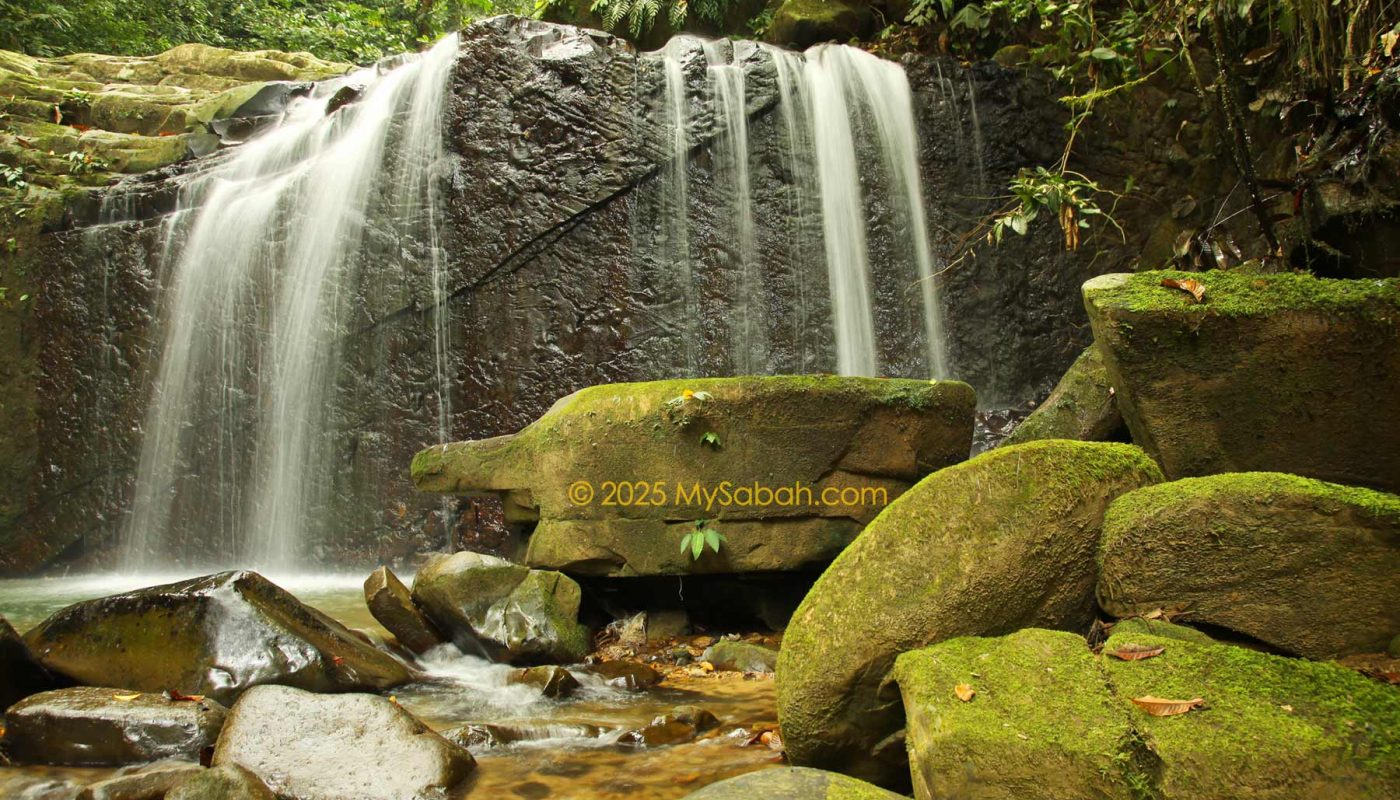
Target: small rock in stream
{"points": [[87, 726], [553, 682]]}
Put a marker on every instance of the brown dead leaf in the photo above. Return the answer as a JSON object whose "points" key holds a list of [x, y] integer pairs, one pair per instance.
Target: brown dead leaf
{"points": [[773, 740], [964, 692], [179, 697], [1159, 707], [126, 698], [1137, 652], [57, 116], [1192, 287]]}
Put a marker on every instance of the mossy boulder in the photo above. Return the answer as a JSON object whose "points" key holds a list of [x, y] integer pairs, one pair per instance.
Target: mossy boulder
{"points": [[498, 608], [1162, 629], [802, 23], [1004, 541], [218, 636], [332, 747], [788, 468], [1271, 727], [1081, 406], [228, 782], [741, 656], [1042, 721], [1051, 720], [91, 726], [792, 783], [1312, 568], [1286, 373]]}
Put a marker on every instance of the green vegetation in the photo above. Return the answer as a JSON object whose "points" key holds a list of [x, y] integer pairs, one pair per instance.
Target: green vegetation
{"points": [[703, 536], [1242, 293], [343, 30]]}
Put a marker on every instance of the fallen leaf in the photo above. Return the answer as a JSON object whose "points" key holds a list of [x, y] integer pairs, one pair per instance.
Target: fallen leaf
{"points": [[126, 698], [1159, 707], [57, 116], [1287, 708], [707, 666], [964, 692], [337, 660], [773, 740], [690, 778], [1137, 652], [1192, 287], [179, 697]]}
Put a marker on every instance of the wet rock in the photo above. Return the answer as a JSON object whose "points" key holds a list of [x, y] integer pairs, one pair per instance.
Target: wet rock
{"points": [[20, 674], [33, 787], [1271, 726], [741, 656], [1309, 567], [1004, 541], [627, 675], [509, 611], [1042, 717], [148, 783], [702, 719], [95, 727], [344, 96], [216, 636], [392, 605], [682, 724], [228, 782], [553, 682], [330, 747], [667, 623], [1081, 406], [803, 23], [853, 444], [492, 735], [792, 783], [1283, 373]]}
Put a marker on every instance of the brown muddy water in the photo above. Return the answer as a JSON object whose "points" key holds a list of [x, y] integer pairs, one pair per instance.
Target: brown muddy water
{"points": [[573, 750]]}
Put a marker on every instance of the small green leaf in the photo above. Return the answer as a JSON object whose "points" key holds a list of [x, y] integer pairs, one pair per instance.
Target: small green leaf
{"points": [[712, 439], [685, 542], [697, 546], [712, 539], [1103, 54]]}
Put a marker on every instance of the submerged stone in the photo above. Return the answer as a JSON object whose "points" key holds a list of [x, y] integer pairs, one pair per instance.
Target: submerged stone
{"points": [[1081, 406], [1309, 567], [1041, 723], [1286, 373], [553, 682], [792, 783], [217, 636], [148, 783], [332, 747], [627, 675], [501, 609], [1005, 541], [92, 726], [790, 469], [392, 605]]}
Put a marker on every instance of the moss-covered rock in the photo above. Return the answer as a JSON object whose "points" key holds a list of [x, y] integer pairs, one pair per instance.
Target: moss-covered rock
{"points": [[1285, 373], [508, 611], [1041, 724], [109, 726], [1310, 567], [1004, 541], [792, 783], [788, 469], [1081, 406], [802, 23], [1051, 720], [217, 635], [1162, 629], [741, 656], [1271, 727]]}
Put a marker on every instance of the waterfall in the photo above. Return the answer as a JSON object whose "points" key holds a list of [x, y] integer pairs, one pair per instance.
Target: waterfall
{"points": [[848, 117], [257, 255]]}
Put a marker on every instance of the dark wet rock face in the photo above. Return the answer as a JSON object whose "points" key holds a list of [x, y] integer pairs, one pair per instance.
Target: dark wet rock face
{"points": [[104, 726], [550, 235], [20, 674], [145, 783], [301, 746], [217, 636]]}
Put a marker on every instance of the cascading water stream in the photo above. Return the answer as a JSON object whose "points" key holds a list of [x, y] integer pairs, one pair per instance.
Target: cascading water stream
{"points": [[257, 254]]}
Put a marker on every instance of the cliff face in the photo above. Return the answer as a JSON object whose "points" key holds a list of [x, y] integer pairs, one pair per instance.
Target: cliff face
{"points": [[555, 211]]}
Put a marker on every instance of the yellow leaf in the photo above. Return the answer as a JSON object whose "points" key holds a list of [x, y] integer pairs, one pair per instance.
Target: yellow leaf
{"points": [[687, 394], [964, 692], [126, 698]]}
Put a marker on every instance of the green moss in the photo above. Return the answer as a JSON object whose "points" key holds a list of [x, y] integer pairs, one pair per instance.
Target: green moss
{"points": [[1267, 720], [1162, 629], [1261, 488], [1238, 293]]}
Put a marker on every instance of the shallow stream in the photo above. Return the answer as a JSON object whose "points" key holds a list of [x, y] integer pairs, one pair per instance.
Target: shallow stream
{"points": [[573, 749]]}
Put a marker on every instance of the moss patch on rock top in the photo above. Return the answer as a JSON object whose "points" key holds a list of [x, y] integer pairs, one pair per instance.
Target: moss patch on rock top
{"points": [[1238, 292]]}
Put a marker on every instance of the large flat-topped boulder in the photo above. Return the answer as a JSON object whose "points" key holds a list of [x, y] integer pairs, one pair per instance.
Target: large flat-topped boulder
{"points": [[1312, 568], [615, 475], [1281, 373], [218, 636]]}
